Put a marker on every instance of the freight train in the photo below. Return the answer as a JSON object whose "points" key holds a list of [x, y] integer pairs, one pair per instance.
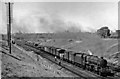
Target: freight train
{"points": [[88, 62]]}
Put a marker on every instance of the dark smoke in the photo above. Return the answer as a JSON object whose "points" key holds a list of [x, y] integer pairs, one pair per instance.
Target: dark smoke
{"points": [[44, 23]]}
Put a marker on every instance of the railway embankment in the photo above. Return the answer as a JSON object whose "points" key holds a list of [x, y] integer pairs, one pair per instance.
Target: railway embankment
{"points": [[22, 63]]}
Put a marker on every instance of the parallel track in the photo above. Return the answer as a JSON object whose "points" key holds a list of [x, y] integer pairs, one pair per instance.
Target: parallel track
{"points": [[76, 70]]}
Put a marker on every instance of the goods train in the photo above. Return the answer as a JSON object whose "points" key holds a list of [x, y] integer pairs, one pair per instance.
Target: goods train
{"points": [[88, 62]]}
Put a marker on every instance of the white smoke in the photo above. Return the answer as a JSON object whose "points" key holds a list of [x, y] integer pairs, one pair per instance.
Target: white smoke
{"points": [[89, 52]]}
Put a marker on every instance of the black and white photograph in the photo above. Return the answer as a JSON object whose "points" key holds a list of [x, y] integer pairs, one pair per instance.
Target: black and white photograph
{"points": [[60, 39]]}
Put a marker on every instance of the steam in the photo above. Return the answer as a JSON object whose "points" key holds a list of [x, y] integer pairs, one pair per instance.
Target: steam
{"points": [[44, 23]]}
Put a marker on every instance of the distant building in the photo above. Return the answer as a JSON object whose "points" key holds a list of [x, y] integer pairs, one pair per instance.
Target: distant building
{"points": [[103, 32], [115, 34], [117, 31]]}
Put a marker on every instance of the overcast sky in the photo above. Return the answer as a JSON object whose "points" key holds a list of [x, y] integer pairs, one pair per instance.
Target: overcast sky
{"points": [[55, 16]]}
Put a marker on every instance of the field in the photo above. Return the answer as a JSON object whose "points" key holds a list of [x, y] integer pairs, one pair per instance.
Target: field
{"points": [[78, 41]]}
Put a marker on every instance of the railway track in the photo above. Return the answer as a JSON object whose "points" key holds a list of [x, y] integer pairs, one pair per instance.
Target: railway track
{"points": [[74, 69]]}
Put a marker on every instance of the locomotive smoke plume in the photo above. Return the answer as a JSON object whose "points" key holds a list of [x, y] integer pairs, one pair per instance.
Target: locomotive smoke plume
{"points": [[44, 23]]}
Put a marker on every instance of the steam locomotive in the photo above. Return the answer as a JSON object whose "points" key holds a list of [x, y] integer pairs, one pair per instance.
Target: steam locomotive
{"points": [[85, 61]]}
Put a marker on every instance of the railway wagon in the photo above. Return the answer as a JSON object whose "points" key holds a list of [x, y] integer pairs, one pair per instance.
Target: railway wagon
{"points": [[36, 44], [40, 47], [61, 53], [29, 43], [49, 49], [71, 56], [57, 52], [66, 56], [78, 59], [54, 50], [46, 48]]}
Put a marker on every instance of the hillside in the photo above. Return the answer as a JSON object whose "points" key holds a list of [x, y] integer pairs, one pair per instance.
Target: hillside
{"points": [[79, 41], [22, 63], [73, 41]]}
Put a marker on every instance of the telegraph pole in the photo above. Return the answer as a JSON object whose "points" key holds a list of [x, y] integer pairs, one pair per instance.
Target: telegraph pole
{"points": [[9, 23]]}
